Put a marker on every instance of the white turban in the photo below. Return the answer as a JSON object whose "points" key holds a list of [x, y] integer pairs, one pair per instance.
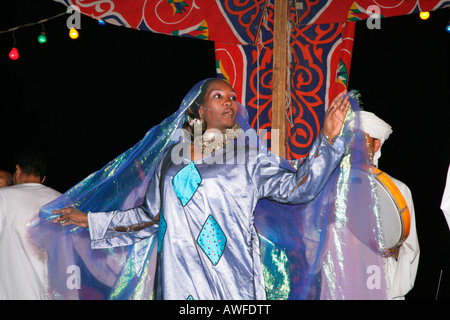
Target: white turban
{"points": [[376, 128]]}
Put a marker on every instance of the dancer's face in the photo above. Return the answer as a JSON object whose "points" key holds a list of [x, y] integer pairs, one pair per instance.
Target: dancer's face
{"points": [[219, 107]]}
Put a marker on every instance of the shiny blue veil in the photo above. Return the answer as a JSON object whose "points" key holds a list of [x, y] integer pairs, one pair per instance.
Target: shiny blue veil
{"points": [[305, 249], [121, 184], [333, 246]]}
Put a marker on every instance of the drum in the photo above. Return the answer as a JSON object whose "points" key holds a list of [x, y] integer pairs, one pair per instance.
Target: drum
{"points": [[394, 211]]}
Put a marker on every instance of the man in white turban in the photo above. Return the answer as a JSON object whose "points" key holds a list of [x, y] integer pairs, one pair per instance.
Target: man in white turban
{"points": [[402, 264], [377, 129]]}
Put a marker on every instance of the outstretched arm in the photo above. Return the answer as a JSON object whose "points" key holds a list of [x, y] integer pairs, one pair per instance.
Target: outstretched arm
{"points": [[304, 185]]}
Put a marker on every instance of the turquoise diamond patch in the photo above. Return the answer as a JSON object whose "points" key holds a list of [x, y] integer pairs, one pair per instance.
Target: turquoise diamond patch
{"points": [[186, 182], [161, 230], [212, 240]]}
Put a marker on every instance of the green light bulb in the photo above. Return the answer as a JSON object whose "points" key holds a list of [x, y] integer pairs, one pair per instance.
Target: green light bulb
{"points": [[42, 38]]}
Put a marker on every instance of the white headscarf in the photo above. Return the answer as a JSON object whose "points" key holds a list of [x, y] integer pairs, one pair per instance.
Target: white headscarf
{"points": [[376, 128]]}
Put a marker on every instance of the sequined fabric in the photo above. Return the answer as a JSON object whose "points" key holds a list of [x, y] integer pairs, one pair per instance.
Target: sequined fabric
{"points": [[333, 244], [210, 249]]}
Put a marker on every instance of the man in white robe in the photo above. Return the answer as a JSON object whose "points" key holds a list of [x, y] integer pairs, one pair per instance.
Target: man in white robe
{"points": [[401, 267], [23, 266]]}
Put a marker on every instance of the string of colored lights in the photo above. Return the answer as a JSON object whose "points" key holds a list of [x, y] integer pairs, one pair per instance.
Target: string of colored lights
{"points": [[42, 38], [73, 32], [33, 23]]}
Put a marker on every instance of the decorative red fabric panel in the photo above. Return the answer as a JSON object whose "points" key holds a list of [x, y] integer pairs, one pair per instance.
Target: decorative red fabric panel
{"points": [[320, 48]]}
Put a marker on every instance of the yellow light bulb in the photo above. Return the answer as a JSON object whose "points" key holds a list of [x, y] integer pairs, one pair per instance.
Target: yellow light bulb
{"points": [[424, 15], [73, 33]]}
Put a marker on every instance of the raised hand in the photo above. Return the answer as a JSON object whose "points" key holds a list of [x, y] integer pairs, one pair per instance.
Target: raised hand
{"points": [[335, 116]]}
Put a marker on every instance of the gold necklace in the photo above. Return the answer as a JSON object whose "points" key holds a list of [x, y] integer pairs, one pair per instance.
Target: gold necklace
{"points": [[214, 140]]}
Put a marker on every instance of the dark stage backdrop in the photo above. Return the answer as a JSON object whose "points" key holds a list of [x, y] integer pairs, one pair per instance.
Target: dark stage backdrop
{"points": [[86, 101], [403, 73]]}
